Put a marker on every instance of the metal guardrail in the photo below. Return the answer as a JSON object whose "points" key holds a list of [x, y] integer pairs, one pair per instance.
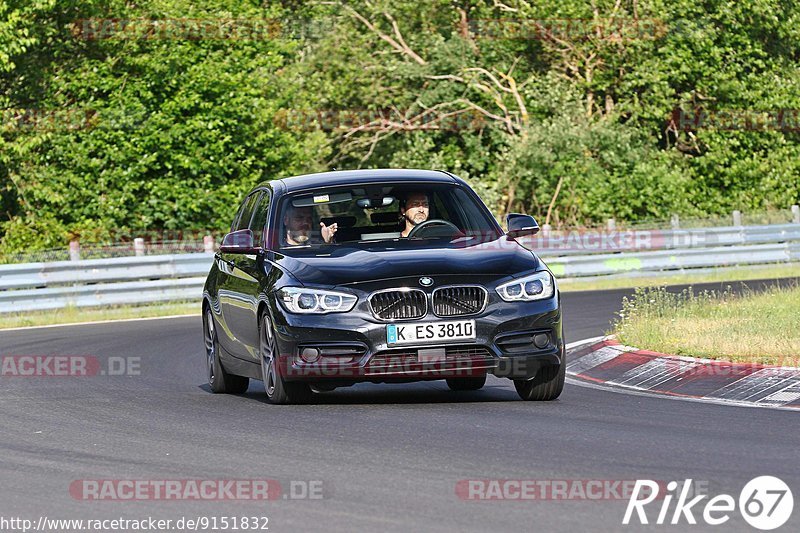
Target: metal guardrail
{"points": [[602, 241], [97, 282], [31, 275], [670, 260], [137, 292], [146, 279]]}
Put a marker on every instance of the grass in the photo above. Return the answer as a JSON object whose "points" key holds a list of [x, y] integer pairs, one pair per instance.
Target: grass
{"points": [[708, 276], [71, 315], [748, 327]]}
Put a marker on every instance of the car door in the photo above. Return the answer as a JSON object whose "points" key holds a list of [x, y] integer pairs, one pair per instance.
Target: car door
{"points": [[254, 272], [238, 287]]}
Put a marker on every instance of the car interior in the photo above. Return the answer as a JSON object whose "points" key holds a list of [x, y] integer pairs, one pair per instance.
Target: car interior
{"points": [[364, 214]]}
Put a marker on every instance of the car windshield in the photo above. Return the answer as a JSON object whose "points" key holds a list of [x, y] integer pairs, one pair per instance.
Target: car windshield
{"points": [[384, 212]]}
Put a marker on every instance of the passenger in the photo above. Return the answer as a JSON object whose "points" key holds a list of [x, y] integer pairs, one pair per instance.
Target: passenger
{"points": [[298, 221]]}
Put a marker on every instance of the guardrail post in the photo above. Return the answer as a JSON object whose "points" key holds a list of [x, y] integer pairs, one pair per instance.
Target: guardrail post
{"points": [[796, 214], [74, 251], [138, 246], [737, 218], [208, 244], [675, 222], [611, 224]]}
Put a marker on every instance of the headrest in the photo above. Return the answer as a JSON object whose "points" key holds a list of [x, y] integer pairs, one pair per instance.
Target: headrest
{"points": [[342, 222], [384, 218]]}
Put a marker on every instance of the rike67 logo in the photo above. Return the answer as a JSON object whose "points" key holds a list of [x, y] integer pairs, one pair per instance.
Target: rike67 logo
{"points": [[765, 503]]}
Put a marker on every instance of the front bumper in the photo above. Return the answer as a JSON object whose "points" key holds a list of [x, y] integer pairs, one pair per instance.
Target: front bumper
{"points": [[354, 347]]}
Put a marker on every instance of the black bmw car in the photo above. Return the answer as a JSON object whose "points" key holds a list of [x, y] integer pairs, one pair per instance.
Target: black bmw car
{"points": [[331, 279]]}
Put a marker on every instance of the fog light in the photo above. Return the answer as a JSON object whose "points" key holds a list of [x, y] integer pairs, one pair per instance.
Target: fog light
{"points": [[541, 340], [310, 355]]}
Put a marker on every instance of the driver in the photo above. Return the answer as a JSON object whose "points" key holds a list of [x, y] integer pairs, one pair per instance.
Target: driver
{"points": [[298, 221], [414, 209]]}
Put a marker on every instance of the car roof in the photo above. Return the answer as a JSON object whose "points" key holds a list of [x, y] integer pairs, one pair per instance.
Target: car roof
{"points": [[365, 176]]}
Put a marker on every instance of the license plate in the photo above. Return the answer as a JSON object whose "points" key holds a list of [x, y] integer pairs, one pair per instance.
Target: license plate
{"points": [[457, 330]]}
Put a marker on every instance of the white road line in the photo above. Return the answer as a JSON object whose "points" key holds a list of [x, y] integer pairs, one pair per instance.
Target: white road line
{"points": [[99, 322], [785, 395], [592, 360], [706, 400], [654, 372], [632, 390], [591, 340]]}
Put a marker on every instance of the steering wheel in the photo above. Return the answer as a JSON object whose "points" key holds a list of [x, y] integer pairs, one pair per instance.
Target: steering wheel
{"points": [[431, 223]]}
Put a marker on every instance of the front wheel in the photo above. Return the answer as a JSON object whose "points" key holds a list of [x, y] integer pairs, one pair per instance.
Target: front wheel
{"points": [[278, 391], [546, 386], [219, 380]]}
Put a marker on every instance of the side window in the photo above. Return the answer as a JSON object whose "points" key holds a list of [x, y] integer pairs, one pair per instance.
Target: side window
{"points": [[438, 208], [472, 220], [246, 212], [260, 218]]}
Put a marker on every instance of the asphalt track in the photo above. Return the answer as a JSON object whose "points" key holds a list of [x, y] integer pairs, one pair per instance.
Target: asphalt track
{"points": [[389, 456]]}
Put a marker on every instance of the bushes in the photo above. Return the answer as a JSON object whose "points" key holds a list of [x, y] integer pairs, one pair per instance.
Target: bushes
{"points": [[170, 133], [599, 169]]}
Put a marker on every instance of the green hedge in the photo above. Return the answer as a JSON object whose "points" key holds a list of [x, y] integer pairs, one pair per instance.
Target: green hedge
{"points": [[121, 133]]}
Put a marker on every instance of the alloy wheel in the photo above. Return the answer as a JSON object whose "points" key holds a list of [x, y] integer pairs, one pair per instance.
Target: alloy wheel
{"points": [[211, 345], [266, 345]]}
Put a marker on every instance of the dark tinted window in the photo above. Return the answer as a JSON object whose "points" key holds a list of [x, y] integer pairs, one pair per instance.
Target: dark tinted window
{"points": [[375, 213], [472, 217], [260, 217], [246, 212]]}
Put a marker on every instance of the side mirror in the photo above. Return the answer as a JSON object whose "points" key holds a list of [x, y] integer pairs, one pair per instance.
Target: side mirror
{"points": [[521, 225], [239, 242]]}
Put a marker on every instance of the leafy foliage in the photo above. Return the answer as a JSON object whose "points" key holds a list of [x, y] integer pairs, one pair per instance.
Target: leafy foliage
{"points": [[106, 131]]}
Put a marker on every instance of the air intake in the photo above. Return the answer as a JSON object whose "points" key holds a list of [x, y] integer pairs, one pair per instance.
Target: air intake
{"points": [[399, 304], [459, 301]]}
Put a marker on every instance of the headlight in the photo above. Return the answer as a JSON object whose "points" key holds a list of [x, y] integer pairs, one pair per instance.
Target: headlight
{"points": [[534, 287], [315, 301]]}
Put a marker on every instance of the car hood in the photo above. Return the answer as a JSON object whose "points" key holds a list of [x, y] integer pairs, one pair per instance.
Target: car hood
{"points": [[342, 265]]}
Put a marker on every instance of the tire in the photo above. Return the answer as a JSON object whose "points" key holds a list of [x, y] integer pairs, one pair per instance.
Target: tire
{"points": [[220, 381], [279, 392], [465, 384], [545, 386]]}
